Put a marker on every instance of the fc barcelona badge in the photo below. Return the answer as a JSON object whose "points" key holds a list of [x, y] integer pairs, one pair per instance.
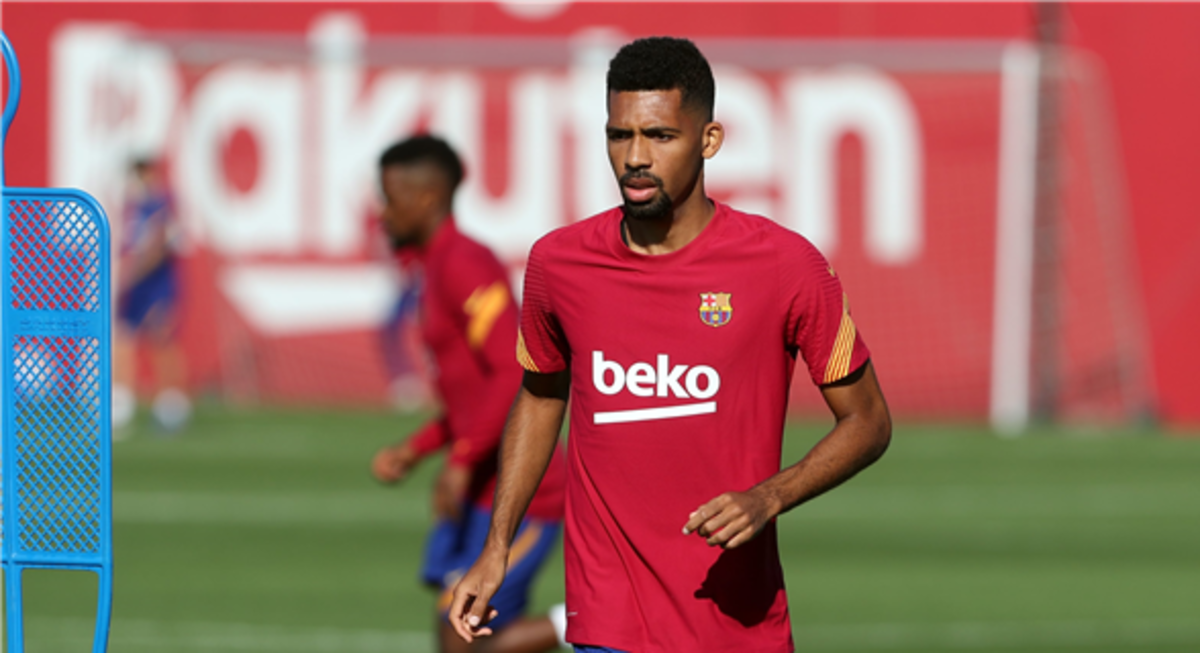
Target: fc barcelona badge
{"points": [[715, 310]]}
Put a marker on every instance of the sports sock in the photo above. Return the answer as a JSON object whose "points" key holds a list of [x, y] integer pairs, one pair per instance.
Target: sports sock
{"points": [[172, 408], [558, 617], [124, 404]]}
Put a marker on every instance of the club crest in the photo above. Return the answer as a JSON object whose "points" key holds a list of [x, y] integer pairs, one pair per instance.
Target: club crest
{"points": [[715, 309]]}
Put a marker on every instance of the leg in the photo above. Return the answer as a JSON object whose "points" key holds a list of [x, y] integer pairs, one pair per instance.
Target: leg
{"points": [[172, 406]]}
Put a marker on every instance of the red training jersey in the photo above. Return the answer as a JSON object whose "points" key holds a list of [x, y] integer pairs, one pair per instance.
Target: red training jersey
{"points": [[680, 367], [469, 324]]}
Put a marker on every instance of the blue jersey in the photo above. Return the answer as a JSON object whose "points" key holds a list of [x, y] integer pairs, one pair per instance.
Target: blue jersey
{"points": [[158, 287], [143, 217]]}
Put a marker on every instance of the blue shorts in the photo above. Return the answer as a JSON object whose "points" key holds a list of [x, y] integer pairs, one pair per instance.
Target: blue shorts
{"points": [[159, 288], [596, 649], [453, 547]]}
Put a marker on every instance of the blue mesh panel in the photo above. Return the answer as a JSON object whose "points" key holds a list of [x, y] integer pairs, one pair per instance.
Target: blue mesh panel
{"points": [[4, 528], [57, 431], [55, 338], [55, 249]]}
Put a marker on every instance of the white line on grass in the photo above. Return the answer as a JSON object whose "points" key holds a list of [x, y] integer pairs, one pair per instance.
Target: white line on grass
{"points": [[133, 636], [163, 636], [334, 509], [1071, 502]]}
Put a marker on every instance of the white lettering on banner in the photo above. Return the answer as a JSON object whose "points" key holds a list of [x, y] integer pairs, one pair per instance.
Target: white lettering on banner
{"points": [[540, 10], [355, 127], [532, 202], [646, 380], [747, 162], [821, 109], [110, 100], [318, 126], [591, 51], [266, 102]]}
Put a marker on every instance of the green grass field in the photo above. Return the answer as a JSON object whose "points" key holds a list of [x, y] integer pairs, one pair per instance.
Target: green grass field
{"points": [[261, 531]]}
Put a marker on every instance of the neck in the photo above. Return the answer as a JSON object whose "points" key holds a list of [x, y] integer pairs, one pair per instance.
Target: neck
{"points": [[671, 232], [432, 226]]}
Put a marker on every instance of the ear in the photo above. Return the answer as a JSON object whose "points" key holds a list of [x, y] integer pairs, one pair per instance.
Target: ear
{"points": [[432, 195], [711, 139]]}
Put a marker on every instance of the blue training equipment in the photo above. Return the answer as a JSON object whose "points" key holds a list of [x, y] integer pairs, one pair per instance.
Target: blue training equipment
{"points": [[56, 413]]}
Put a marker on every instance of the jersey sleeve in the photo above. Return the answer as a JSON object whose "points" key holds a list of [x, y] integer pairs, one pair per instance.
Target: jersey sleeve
{"points": [[433, 436], [819, 325], [479, 297], [541, 344]]}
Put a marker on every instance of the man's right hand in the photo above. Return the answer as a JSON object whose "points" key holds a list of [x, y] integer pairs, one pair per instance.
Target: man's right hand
{"points": [[393, 463], [470, 612]]}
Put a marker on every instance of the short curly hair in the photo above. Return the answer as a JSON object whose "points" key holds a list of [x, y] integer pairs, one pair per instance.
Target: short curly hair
{"points": [[664, 63], [425, 148]]}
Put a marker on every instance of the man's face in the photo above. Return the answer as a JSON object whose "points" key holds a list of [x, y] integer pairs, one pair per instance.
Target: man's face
{"points": [[657, 150], [408, 194]]}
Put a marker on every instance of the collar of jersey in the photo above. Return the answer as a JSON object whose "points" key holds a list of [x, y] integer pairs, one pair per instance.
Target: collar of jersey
{"points": [[698, 245]]}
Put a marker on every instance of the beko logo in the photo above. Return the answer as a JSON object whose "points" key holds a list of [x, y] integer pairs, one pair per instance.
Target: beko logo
{"points": [[658, 380]]}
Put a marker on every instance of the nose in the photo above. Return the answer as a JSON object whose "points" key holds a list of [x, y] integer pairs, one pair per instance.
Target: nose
{"points": [[637, 157]]}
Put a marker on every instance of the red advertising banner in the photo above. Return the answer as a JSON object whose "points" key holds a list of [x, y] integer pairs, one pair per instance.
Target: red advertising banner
{"points": [[904, 148]]}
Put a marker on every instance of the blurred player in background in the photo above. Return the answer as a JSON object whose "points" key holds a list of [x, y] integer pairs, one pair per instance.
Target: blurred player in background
{"points": [[469, 323], [673, 324], [148, 301]]}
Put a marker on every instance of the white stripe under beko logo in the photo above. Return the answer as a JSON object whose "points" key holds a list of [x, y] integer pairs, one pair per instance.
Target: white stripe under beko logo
{"points": [[659, 380]]}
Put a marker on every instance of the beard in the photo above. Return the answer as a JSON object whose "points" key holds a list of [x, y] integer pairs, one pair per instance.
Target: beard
{"points": [[399, 242], [657, 208]]}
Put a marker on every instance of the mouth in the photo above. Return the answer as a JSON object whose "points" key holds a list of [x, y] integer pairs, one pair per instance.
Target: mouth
{"points": [[640, 188]]}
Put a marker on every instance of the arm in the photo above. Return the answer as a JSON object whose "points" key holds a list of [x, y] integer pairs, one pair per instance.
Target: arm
{"points": [[489, 322], [860, 436], [530, 437], [151, 252]]}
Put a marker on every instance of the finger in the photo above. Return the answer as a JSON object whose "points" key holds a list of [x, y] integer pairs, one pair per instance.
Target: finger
{"points": [[476, 617], [742, 536], [458, 617], [717, 522], [728, 532], [485, 630], [700, 515]]}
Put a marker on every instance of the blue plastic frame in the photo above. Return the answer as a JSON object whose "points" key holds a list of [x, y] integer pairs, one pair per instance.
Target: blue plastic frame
{"points": [[59, 323]]}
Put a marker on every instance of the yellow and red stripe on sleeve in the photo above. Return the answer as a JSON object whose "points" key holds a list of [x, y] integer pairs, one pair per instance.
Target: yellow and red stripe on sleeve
{"points": [[843, 346], [523, 356], [483, 308]]}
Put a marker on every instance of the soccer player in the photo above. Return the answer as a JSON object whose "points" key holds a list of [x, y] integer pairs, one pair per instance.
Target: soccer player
{"points": [[469, 324], [148, 300], [673, 323]]}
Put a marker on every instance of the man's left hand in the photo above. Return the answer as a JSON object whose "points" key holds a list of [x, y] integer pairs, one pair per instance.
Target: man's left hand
{"points": [[733, 518]]}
